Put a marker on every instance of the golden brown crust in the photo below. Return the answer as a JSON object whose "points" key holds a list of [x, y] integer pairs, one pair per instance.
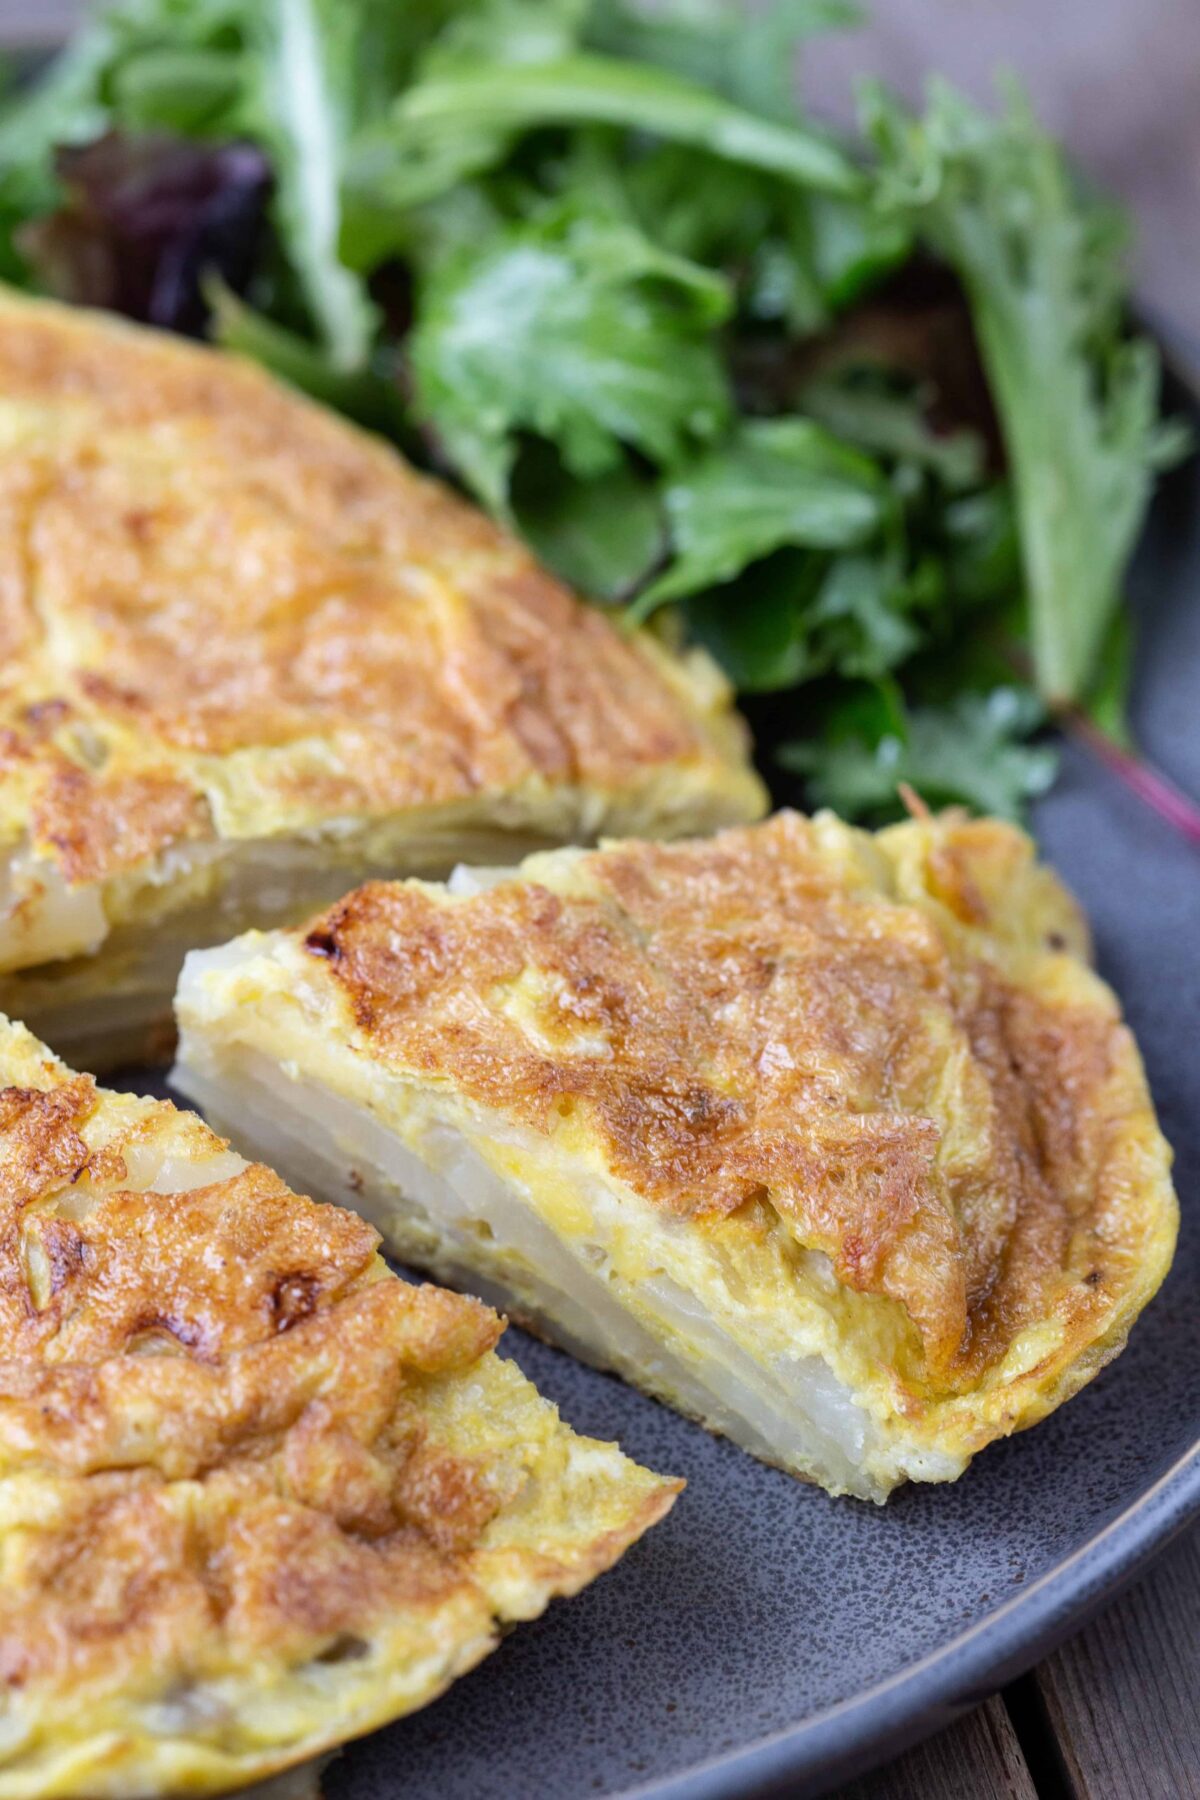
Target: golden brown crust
{"points": [[96, 825], [199, 564], [224, 1457], [234, 1335], [890, 1043]]}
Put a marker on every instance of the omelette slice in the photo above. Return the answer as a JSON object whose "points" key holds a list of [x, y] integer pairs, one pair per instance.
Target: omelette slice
{"points": [[249, 657], [831, 1140], [257, 1495]]}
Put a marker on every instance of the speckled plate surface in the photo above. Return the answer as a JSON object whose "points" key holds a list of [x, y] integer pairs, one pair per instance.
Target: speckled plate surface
{"points": [[768, 1639]]}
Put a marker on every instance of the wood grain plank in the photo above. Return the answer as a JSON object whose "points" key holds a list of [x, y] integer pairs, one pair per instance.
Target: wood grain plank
{"points": [[1123, 1697], [979, 1757]]}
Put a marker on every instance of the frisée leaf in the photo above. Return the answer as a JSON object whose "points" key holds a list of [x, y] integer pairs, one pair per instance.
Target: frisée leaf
{"points": [[774, 482], [968, 752], [1077, 402], [574, 327], [460, 121]]}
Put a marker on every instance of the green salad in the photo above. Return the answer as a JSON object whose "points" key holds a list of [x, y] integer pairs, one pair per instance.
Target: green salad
{"points": [[861, 415]]}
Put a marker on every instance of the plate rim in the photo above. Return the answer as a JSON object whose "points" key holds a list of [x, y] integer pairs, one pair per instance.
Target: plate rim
{"points": [[860, 1732]]}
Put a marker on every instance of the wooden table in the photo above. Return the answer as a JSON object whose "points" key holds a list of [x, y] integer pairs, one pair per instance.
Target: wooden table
{"points": [[1115, 1713]]}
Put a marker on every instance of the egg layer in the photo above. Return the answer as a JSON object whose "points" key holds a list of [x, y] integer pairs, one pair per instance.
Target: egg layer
{"points": [[832, 1139]]}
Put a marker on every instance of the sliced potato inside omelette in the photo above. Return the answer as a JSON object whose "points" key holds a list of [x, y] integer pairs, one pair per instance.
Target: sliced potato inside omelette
{"points": [[248, 656], [832, 1140], [257, 1495]]}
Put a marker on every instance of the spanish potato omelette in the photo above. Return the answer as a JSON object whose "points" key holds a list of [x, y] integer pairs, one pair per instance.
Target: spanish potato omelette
{"points": [[832, 1140], [257, 1495], [248, 656]]}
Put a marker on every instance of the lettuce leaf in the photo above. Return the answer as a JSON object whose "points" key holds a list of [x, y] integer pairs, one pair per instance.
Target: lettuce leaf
{"points": [[572, 326], [462, 118], [795, 617], [600, 535], [1077, 399], [970, 751], [773, 482]]}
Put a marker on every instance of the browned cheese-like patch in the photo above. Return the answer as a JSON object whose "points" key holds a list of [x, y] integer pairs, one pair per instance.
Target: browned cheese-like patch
{"points": [[741, 1021]]}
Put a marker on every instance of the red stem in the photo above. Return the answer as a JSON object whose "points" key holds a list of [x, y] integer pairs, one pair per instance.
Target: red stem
{"points": [[1159, 793], [1155, 790]]}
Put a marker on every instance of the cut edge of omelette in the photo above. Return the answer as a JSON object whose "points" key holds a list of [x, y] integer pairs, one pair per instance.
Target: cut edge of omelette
{"points": [[257, 1495], [854, 1363], [248, 657]]}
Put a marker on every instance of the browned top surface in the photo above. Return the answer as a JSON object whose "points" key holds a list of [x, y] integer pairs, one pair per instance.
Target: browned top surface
{"points": [[888, 1044], [225, 1454], [237, 1336], [194, 561]]}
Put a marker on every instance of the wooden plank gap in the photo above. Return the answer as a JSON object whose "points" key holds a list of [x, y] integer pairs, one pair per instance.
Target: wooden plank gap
{"points": [[1029, 1716], [978, 1756]]}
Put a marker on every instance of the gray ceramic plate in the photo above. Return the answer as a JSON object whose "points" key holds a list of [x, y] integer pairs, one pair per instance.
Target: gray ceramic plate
{"points": [[766, 1638]]}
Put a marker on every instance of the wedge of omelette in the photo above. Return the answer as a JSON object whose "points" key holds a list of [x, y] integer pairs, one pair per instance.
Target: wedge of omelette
{"points": [[257, 1495], [249, 657], [833, 1141]]}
